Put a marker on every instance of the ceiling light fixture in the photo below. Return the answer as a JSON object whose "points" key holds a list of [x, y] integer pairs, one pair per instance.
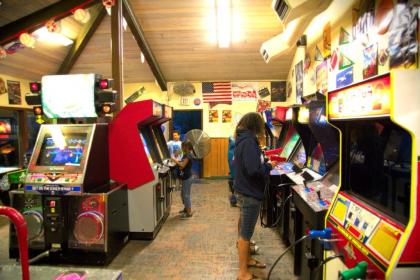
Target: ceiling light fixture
{"points": [[224, 28], [44, 35], [223, 23], [141, 57], [124, 24]]}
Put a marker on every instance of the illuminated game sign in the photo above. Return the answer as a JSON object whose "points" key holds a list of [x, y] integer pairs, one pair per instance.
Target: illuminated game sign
{"points": [[168, 112], [157, 109], [303, 116], [69, 96], [289, 114], [368, 99]]}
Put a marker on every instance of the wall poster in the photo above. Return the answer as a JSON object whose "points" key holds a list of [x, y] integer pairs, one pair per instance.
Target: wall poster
{"points": [[226, 116], [213, 116], [278, 91], [13, 88], [322, 77]]}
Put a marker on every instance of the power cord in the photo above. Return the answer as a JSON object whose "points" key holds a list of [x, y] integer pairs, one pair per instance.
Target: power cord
{"points": [[284, 253], [330, 258], [282, 211], [264, 205]]}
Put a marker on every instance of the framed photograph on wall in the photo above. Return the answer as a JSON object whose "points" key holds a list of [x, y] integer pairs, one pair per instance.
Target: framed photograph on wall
{"points": [[13, 88], [278, 91]]}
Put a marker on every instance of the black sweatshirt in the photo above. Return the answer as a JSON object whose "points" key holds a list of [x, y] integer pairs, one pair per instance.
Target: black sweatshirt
{"points": [[250, 171]]}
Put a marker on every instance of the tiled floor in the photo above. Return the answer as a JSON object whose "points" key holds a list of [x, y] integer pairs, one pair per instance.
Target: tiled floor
{"points": [[200, 248]]}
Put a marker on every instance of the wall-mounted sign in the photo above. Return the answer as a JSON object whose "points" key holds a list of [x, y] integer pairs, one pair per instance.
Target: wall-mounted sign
{"points": [[184, 101], [368, 99]]}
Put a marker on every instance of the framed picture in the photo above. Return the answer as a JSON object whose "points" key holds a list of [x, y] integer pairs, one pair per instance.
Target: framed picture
{"points": [[13, 88]]}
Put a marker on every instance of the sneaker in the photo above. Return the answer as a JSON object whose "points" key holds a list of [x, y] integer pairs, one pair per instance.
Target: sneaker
{"points": [[181, 211], [186, 216]]}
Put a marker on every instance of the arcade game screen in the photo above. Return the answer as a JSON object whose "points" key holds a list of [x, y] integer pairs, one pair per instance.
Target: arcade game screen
{"points": [[299, 158], [146, 148], [275, 130], [379, 166], [317, 163], [290, 145], [327, 135], [5, 126], [66, 96], [62, 151]]}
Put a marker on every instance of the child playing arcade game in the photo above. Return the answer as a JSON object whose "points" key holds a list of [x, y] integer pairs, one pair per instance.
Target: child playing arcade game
{"points": [[186, 176]]}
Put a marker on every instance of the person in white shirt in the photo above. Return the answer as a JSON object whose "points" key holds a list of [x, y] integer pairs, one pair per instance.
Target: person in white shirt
{"points": [[175, 150]]}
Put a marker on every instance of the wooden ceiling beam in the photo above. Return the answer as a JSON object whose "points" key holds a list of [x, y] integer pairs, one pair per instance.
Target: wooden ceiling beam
{"points": [[97, 13], [29, 23], [140, 38], [117, 53]]}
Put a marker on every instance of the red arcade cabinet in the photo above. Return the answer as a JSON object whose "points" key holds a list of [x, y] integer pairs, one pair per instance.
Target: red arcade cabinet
{"points": [[135, 158], [375, 216]]}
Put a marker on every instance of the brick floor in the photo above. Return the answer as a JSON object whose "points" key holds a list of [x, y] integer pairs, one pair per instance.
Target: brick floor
{"points": [[200, 248]]}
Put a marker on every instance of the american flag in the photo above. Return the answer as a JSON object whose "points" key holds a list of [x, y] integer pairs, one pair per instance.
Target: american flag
{"points": [[217, 92]]}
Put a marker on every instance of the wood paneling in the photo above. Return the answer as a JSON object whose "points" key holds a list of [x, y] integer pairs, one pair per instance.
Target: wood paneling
{"points": [[11, 10], [215, 164]]}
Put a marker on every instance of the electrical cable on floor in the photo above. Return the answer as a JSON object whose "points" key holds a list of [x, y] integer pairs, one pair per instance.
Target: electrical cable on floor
{"points": [[330, 258], [40, 256], [284, 253]]}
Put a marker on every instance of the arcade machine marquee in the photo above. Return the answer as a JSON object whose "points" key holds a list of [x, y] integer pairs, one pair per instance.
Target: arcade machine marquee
{"points": [[374, 217]]}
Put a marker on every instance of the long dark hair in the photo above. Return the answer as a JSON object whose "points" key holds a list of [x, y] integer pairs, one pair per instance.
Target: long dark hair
{"points": [[253, 122]]}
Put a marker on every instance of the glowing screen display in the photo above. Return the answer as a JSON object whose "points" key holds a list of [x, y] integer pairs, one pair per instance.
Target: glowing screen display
{"points": [[66, 150], [299, 158], [317, 162], [146, 148], [288, 148], [69, 96]]}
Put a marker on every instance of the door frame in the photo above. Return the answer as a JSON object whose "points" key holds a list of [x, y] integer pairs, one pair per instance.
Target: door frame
{"points": [[171, 129]]}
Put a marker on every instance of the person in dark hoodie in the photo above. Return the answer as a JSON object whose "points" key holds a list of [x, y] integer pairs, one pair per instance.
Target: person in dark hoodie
{"points": [[250, 173]]}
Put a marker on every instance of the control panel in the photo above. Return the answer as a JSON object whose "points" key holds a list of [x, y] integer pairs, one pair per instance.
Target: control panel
{"points": [[54, 183], [316, 194], [282, 168], [364, 234], [54, 223]]}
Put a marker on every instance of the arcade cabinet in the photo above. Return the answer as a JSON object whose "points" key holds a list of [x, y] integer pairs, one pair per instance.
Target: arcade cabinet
{"points": [[374, 217], [135, 159], [279, 128], [165, 156], [275, 204], [312, 199], [68, 202]]}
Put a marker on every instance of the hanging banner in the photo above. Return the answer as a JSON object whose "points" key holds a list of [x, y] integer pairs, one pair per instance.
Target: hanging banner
{"points": [[243, 91]]}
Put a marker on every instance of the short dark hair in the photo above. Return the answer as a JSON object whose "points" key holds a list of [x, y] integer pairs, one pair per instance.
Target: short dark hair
{"points": [[187, 144], [176, 131], [253, 122]]}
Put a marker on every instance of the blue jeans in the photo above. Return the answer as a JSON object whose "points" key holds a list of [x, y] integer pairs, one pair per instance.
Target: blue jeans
{"points": [[186, 192], [250, 209]]}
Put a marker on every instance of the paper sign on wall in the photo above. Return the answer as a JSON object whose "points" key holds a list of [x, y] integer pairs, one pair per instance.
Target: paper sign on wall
{"points": [[244, 91]]}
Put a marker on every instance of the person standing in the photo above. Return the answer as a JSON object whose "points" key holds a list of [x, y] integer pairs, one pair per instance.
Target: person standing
{"points": [[185, 175], [174, 147], [250, 174], [231, 149]]}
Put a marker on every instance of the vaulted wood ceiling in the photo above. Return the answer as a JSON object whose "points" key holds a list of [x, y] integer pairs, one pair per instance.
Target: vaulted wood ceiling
{"points": [[178, 36]]}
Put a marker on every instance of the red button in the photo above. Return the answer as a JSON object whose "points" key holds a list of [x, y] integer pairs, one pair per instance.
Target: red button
{"points": [[52, 203]]}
